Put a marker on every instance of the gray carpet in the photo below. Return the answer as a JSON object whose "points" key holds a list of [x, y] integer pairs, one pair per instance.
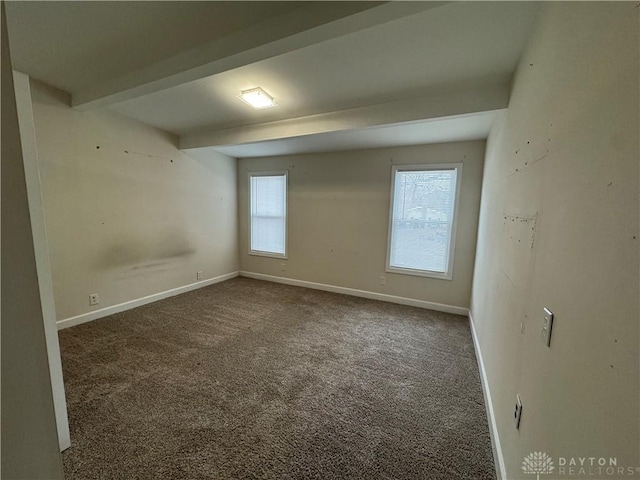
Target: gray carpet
{"points": [[254, 380]]}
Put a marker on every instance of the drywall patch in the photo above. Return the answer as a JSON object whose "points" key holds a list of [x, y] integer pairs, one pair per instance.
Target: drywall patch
{"points": [[518, 238], [530, 151], [521, 228]]}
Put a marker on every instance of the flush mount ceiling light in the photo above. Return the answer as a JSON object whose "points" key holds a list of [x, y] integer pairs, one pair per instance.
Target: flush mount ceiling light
{"points": [[257, 98]]}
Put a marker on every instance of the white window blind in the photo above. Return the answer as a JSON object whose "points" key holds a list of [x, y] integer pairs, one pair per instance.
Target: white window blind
{"points": [[422, 220], [268, 213]]}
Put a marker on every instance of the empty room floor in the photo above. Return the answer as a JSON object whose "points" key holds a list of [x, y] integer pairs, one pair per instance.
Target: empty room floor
{"points": [[251, 379]]}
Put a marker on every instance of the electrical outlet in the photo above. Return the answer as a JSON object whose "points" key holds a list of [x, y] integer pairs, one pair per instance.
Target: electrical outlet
{"points": [[547, 325], [199, 275], [517, 412], [94, 299], [383, 280], [283, 267]]}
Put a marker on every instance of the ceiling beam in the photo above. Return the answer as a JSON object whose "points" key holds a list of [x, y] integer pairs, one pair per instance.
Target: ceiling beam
{"points": [[302, 27], [473, 100], [459, 128]]}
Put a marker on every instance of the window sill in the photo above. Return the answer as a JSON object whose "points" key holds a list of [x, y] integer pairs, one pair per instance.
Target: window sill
{"points": [[420, 273], [268, 254]]}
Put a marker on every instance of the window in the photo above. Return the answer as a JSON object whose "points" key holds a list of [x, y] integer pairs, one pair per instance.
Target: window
{"points": [[422, 222], [268, 214]]}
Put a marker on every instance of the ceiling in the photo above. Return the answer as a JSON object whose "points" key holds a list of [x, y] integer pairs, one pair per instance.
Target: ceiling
{"points": [[73, 44], [450, 45], [179, 65]]}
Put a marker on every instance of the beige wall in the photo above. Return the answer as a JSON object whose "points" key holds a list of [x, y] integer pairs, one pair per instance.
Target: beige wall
{"points": [[29, 437], [127, 214], [559, 228], [339, 216]]}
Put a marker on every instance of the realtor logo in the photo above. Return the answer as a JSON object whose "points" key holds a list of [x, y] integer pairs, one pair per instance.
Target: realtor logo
{"points": [[537, 463]]}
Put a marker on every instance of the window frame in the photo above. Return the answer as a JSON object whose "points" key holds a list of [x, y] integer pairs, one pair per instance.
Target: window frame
{"points": [[261, 253], [448, 274]]}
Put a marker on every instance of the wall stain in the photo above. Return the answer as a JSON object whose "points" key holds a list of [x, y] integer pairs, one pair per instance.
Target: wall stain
{"points": [[136, 253], [150, 265]]}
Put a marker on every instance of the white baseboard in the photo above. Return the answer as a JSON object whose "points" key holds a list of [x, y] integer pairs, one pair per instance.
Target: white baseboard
{"points": [[498, 458], [440, 307], [121, 307]]}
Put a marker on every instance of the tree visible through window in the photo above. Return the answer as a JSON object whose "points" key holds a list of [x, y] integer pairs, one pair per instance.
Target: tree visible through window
{"points": [[422, 219]]}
